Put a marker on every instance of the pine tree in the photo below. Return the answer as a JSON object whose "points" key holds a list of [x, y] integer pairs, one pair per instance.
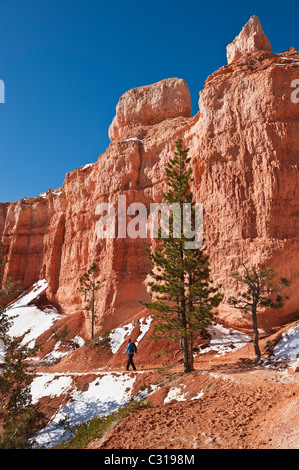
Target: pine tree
{"points": [[184, 298], [88, 287], [21, 419], [7, 291], [259, 293]]}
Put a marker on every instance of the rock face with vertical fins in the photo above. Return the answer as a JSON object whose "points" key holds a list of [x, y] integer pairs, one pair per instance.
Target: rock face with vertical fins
{"points": [[244, 152]]}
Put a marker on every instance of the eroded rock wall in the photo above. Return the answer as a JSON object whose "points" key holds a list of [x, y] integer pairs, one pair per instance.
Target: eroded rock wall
{"points": [[245, 150]]}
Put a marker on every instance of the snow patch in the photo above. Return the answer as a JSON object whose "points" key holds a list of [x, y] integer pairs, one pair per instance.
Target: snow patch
{"points": [[56, 192], [288, 347], [289, 58], [49, 385], [144, 327], [85, 166], [118, 336], [134, 139], [224, 340], [104, 395], [27, 319], [79, 340], [55, 355], [175, 394], [37, 288], [199, 395]]}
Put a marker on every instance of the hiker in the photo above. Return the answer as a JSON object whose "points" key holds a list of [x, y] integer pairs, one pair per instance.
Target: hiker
{"points": [[131, 350]]}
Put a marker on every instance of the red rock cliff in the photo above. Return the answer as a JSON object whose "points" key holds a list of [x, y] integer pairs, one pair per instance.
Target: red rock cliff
{"points": [[245, 150]]}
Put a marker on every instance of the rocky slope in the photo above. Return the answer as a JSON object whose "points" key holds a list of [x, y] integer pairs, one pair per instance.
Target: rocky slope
{"points": [[226, 402], [220, 407], [244, 148]]}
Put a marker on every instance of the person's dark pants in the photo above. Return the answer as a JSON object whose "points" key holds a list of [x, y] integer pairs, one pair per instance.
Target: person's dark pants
{"points": [[130, 362]]}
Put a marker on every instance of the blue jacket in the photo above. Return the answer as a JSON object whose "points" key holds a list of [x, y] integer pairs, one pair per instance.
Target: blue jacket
{"points": [[131, 349]]}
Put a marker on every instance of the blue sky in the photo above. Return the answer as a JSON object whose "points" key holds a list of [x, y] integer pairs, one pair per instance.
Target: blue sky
{"points": [[65, 63]]}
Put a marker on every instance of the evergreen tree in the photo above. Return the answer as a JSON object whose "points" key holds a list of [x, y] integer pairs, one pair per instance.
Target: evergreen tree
{"points": [[182, 293], [20, 417], [259, 293], [88, 287], [7, 291]]}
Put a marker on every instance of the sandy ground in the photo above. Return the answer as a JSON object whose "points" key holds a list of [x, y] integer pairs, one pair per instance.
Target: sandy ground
{"points": [[228, 404]]}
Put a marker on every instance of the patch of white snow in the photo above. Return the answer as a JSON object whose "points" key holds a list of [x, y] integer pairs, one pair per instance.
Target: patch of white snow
{"points": [[118, 336], [144, 327], [224, 340]]}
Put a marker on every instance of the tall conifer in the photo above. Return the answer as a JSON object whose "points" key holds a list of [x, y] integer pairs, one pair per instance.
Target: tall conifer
{"points": [[88, 287], [182, 293]]}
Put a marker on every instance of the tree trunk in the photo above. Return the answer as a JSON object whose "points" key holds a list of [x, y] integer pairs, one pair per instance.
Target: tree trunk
{"points": [[187, 349], [191, 361], [185, 352], [92, 315], [255, 335]]}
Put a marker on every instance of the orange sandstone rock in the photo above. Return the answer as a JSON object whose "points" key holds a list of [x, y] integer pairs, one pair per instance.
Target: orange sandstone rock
{"points": [[251, 38], [244, 152], [149, 105]]}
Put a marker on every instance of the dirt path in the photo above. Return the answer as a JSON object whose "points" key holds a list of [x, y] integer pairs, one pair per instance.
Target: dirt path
{"points": [[227, 407]]}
